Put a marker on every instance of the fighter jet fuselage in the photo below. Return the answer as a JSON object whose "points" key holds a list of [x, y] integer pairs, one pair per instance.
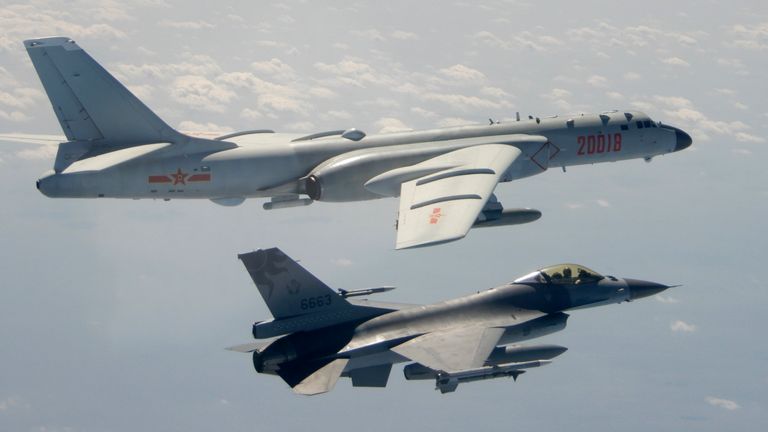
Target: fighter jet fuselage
{"points": [[459, 340]]}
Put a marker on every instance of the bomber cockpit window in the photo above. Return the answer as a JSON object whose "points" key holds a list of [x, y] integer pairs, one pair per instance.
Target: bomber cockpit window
{"points": [[570, 274]]}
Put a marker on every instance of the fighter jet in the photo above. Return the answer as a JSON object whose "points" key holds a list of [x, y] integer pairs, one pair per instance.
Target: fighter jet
{"points": [[116, 147], [318, 335]]}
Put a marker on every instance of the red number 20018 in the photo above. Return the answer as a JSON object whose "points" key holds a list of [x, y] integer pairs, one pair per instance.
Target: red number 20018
{"points": [[603, 143]]}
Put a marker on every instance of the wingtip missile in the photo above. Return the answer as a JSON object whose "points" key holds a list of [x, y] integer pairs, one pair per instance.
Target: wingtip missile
{"points": [[364, 291]]}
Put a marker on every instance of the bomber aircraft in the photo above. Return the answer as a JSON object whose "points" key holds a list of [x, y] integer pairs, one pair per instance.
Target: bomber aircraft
{"points": [[318, 335], [116, 147]]}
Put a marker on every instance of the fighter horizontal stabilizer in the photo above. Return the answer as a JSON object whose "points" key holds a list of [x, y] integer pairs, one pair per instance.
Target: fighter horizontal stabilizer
{"points": [[314, 378]]}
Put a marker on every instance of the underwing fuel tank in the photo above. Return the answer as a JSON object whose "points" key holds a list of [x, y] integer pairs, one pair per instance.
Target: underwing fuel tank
{"points": [[509, 217]]}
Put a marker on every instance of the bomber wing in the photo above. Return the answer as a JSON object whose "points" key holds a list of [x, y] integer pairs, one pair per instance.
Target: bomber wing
{"points": [[442, 206]]}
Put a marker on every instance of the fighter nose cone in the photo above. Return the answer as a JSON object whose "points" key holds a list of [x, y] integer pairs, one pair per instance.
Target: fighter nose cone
{"points": [[640, 288], [683, 140]]}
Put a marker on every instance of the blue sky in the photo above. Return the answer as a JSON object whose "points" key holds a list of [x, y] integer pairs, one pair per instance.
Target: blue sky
{"points": [[114, 314]]}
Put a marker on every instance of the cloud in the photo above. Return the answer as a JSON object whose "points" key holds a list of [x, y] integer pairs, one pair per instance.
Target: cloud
{"points": [[391, 124], [193, 127], [675, 61], [193, 64], [597, 81], [403, 35], [342, 262], [186, 25], [270, 96], [521, 41], [723, 403], [751, 37], [632, 76], [454, 121], [465, 103], [603, 203], [274, 67], [198, 92], [460, 72], [666, 299], [351, 71], [13, 116], [40, 152], [682, 327]]}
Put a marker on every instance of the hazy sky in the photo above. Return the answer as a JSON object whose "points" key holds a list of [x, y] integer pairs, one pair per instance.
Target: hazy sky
{"points": [[114, 314]]}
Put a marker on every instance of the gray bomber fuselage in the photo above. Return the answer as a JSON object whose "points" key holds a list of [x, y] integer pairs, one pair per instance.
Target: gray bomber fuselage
{"points": [[272, 164]]}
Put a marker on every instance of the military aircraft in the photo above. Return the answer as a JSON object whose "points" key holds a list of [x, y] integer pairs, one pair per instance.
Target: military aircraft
{"points": [[318, 335], [116, 147]]}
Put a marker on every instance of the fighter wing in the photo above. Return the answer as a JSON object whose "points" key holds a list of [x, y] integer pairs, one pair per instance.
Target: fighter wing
{"points": [[452, 350], [442, 206]]}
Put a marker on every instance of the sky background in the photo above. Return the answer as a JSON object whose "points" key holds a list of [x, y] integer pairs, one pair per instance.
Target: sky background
{"points": [[114, 314]]}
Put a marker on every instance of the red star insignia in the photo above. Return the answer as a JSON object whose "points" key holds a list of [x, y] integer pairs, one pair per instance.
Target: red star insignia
{"points": [[179, 177]]}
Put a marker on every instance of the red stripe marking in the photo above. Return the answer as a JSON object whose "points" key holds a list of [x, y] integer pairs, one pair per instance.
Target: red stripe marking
{"points": [[159, 179], [199, 177]]}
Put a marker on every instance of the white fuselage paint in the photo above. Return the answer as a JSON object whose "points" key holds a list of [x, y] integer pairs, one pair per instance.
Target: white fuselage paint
{"points": [[271, 164]]}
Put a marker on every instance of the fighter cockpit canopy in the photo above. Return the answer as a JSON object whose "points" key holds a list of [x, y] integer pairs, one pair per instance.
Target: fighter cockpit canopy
{"points": [[562, 274]]}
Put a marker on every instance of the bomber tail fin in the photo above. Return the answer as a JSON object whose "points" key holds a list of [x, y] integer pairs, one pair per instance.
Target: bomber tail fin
{"points": [[91, 105], [287, 288]]}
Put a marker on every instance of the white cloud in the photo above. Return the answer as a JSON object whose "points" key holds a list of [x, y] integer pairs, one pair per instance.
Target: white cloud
{"points": [[342, 262], [495, 92], [614, 95], [351, 71], [304, 126], [597, 81], [460, 72], [403, 35], [198, 92], [632, 76], [13, 116], [521, 41], [682, 327], [666, 299], [391, 124], [193, 64], [251, 114], [40, 152], [186, 25], [465, 103], [725, 404], [752, 37], [603, 203], [675, 61], [454, 121], [424, 112], [194, 127], [274, 67]]}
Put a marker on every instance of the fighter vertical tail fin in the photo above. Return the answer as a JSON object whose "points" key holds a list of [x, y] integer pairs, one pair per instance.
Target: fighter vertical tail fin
{"points": [[90, 104], [287, 288]]}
